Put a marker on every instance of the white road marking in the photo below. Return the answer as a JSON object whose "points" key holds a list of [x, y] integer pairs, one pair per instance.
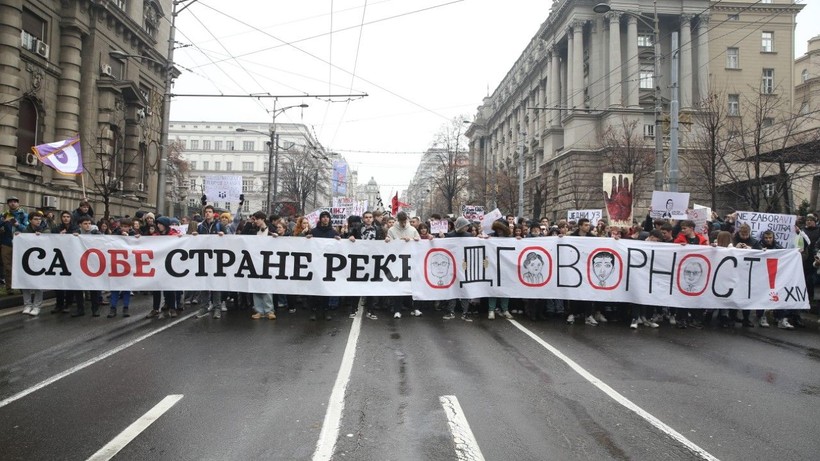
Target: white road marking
{"points": [[466, 444], [89, 362], [660, 425], [333, 416], [131, 432]]}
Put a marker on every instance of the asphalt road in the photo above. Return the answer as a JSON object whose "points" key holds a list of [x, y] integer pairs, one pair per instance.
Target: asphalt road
{"points": [[261, 389]]}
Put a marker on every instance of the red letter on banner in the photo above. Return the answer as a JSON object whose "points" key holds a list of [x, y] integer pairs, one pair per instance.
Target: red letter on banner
{"points": [[143, 258], [119, 263], [100, 259]]}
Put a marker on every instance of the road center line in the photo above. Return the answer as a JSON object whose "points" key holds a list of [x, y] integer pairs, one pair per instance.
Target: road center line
{"points": [[466, 445], [700, 452], [333, 416], [131, 432], [89, 362]]}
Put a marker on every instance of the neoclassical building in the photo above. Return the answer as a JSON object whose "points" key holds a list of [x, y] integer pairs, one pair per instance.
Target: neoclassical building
{"points": [[58, 79], [583, 96]]}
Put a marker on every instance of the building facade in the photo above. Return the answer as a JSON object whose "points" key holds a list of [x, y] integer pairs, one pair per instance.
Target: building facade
{"points": [[586, 95], [59, 80]]}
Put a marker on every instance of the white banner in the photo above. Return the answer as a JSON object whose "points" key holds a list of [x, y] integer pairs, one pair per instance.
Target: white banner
{"points": [[489, 219], [669, 205], [781, 224], [223, 188], [598, 269]]}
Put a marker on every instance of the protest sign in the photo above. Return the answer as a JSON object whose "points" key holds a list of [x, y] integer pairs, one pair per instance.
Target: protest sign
{"points": [[698, 216], [472, 212], [223, 188], [182, 228], [440, 226], [592, 215], [669, 205], [489, 219], [617, 189], [781, 224]]}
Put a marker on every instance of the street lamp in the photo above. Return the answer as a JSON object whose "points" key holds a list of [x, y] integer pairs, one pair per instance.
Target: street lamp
{"points": [[273, 154], [605, 8]]}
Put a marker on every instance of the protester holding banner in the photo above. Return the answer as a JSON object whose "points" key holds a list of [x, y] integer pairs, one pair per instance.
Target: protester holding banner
{"points": [[501, 230], [211, 226], [586, 308], [688, 236], [33, 298], [402, 230], [460, 231], [324, 229], [87, 228], [172, 298], [64, 298]]}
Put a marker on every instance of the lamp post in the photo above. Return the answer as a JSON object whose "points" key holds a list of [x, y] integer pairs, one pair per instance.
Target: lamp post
{"points": [[605, 8], [273, 154]]}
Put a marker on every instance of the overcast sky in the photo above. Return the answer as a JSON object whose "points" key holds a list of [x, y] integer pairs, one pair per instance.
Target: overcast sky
{"points": [[421, 63]]}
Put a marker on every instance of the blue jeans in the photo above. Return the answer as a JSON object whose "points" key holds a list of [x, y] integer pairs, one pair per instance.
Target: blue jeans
{"points": [[262, 303], [117, 295]]}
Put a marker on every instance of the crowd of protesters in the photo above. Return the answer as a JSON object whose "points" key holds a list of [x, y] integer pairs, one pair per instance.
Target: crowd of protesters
{"points": [[374, 225]]}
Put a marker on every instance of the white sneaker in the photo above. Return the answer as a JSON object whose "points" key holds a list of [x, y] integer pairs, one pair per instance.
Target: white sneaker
{"points": [[672, 320], [657, 318], [491, 315], [591, 321], [634, 324], [27, 310], [416, 313], [34, 312], [648, 323], [224, 308], [372, 316], [570, 319], [507, 315], [763, 322], [599, 317], [397, 315], [352, 315], [784, 324]]}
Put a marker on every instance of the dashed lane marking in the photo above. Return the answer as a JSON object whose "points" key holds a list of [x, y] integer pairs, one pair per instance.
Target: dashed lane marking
{"points": [[467, 448]]}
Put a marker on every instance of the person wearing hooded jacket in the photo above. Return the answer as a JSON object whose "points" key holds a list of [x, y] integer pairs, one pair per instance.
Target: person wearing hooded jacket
{"points": [[323, 229], [459, 231], [172, 307], [33, 299]]}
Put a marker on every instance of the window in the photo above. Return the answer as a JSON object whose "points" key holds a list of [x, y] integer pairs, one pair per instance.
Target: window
{"points": [[206, 145], [733, 17], [247, 145], [767, 42], [649, 131], [265, 166], [647, 77], [229, 145], [117, 68], [804, 76], [195, 144], [27, 129], [228, 166], [804, 108], [151, 18], [768, 190], [217, 166], [767, 86], [217, 145], [193, 203], [33, 26], [766, 1], [193, 187], [767, 122], [734, 105], [246, 207], [184, 143], [121, 4], [732, 58], [193, 164], [247, 166], [247, 184], [645, 39], [205, 165]]}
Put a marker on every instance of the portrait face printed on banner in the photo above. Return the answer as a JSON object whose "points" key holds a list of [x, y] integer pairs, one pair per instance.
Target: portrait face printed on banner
{"points": [[440, 269], [692, 275], [533, 268], [603, 265]]}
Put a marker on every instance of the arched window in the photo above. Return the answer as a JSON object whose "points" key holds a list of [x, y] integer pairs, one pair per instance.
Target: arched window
{"points": [[28, 130]]}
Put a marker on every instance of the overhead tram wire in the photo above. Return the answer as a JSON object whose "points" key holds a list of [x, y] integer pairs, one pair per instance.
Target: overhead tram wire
{"points": [[340, 68]]}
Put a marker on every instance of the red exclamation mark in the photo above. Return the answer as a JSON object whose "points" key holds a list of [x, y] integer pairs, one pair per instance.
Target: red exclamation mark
{"points": [[771, 267]]}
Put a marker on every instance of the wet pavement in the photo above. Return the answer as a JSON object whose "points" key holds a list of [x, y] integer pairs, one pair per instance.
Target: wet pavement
{"points": [[259, 389]]}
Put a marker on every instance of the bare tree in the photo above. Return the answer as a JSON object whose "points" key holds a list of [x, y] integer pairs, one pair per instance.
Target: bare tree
{"points": [[627, 152], [178, 175], [450, 158], [762, 156], [507, 193], [300, 177], [711, 144]]}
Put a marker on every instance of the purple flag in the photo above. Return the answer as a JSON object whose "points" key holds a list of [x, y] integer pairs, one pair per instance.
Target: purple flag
{"points": [[64, 156]]}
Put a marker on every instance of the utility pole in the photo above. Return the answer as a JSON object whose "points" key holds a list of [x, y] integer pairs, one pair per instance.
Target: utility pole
{"points": [[673, 127]]}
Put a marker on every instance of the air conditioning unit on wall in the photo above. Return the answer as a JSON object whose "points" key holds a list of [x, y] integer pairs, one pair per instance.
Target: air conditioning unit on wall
{"points": [[105, 69], [140, 187], [31, 160], [42, 49], [49, 201]]}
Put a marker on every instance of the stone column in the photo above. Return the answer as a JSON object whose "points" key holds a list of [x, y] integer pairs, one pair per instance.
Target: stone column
{"points": [[615, 62], [570, 70], [68, 91], [685, 61], [555, 89], [633, 70], [703, 56], [596, 64], [578, 65], [10, 84]]}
